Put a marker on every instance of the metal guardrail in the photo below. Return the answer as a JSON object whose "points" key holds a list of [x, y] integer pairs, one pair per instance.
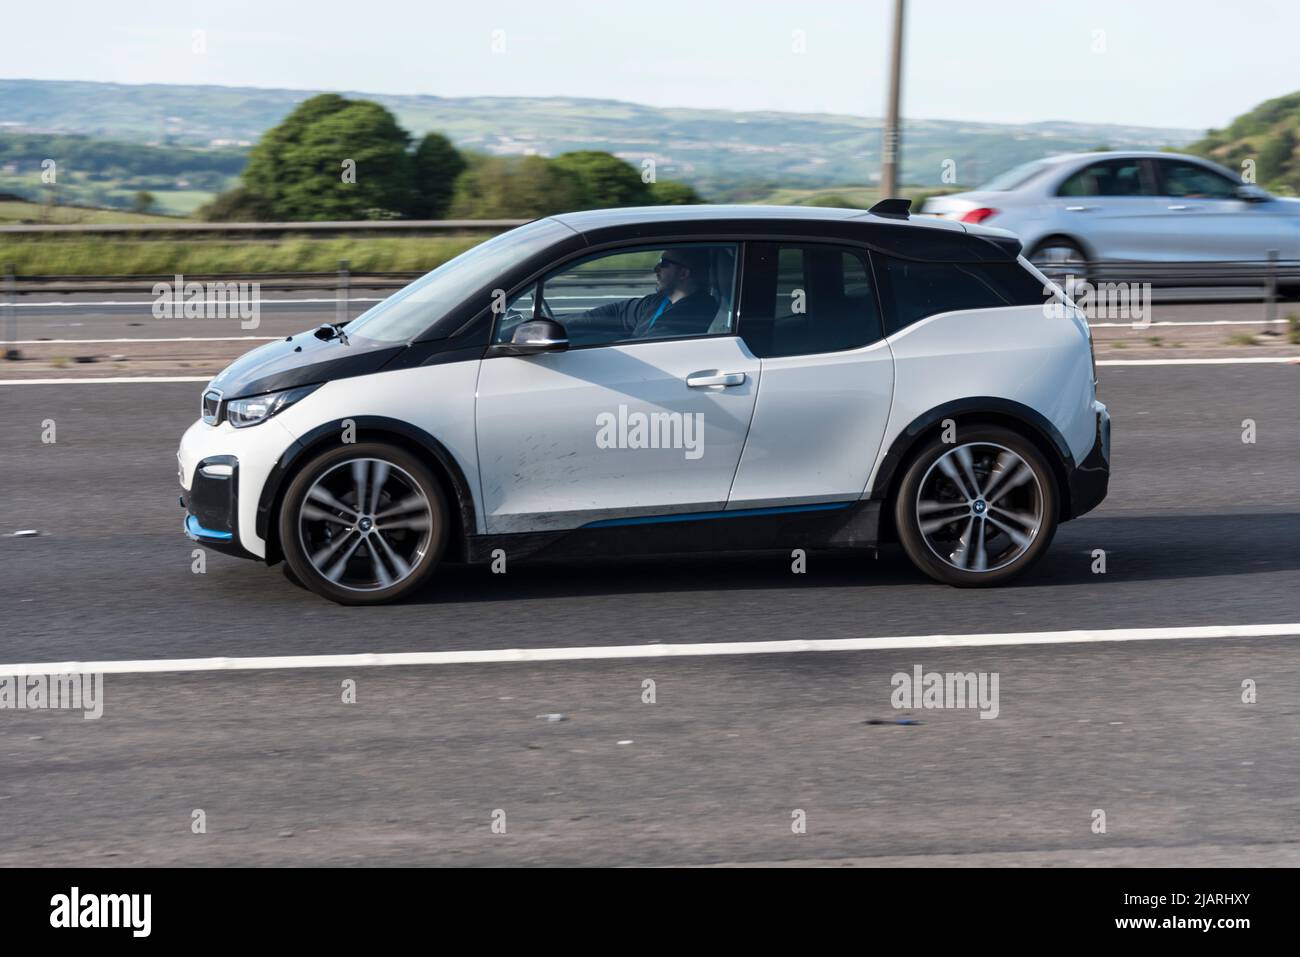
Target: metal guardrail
{"points": [[1222, 273], [363, 226]]}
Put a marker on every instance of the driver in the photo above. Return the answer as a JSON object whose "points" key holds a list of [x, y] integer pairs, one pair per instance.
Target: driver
{"points": [[679, 306]]}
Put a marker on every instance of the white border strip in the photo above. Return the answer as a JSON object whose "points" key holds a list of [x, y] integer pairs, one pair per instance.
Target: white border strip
{"points": [[707, 649]]}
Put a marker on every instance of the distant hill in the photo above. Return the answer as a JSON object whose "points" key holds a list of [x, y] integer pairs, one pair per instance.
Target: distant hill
{"points": [[103, 173], [1270, 135], [713, 150]]}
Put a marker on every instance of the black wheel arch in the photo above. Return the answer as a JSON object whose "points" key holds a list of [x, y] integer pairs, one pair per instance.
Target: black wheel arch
{"points": [[368, 428], [976, 410]]}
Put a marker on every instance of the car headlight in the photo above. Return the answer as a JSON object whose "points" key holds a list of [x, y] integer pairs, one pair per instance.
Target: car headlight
{"points": [[242, 413]]}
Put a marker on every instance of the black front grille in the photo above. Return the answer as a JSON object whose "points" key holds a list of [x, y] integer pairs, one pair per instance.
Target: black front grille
{"points": [[211, 407]]}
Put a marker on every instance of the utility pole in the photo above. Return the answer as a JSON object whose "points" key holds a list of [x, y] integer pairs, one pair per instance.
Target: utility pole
{"points": [[891, 144]]}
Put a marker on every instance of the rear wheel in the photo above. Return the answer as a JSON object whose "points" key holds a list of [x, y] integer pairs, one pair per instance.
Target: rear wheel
{"points": [[363, 524], [1061, 260], [979, 511]]}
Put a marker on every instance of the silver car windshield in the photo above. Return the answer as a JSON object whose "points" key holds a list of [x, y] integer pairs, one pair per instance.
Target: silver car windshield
{"points": [[409, 312], [1017, 176]]}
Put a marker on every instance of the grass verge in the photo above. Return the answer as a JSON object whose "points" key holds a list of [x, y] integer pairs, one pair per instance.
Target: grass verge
{"points": [[91, 256]]}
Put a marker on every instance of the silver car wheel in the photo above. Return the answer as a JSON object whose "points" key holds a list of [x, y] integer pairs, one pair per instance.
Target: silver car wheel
{"points": [[1063, 264], [979, 507], [365, 524]]}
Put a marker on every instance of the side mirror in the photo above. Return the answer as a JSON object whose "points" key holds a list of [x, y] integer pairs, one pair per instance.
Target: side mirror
{"points": [[533, 337], [1253, 194]]}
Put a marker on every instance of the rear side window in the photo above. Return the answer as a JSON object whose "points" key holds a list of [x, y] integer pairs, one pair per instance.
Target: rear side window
{"points": [[1120, 177], [807, 299], [911, 291]]}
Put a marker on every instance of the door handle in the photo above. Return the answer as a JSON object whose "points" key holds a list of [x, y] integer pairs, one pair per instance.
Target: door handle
{"points": [[1080, 209], [1180, 207], [712, 377]]}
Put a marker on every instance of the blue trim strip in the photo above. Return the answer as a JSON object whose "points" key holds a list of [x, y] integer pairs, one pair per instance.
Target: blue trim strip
{"points": [[194, 530], [707, 516]]}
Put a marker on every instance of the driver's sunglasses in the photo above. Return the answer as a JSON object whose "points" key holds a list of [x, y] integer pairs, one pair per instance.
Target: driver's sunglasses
{"points": [[665, 261]]}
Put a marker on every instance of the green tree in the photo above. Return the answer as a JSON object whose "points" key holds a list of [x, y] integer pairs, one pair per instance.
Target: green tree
{"points": [[143, 202], [267, 170], [436, 164], [496, 187], [1275, 156], [669, 192], [606, 180], [236, 205], [334, 158]]}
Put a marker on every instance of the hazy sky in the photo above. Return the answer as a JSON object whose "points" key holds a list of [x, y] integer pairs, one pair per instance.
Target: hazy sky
{"points": [[1184, 63]]}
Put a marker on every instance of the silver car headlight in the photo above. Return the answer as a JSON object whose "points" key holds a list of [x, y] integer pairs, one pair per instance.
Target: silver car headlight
{"points": [[242, 413]]}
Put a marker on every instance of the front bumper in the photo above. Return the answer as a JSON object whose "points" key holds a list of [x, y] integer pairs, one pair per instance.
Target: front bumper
{"points": [[1090, 479], [212, 506], [222, 471]]}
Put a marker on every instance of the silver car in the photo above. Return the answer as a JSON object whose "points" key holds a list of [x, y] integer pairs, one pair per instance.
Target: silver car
{"points": [[1136, 207]]}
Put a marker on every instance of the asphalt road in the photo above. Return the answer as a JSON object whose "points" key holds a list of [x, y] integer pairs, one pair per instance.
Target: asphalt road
{"points": [[1199, 529]]}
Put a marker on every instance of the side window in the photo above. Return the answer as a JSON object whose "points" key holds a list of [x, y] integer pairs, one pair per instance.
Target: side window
{"points": [[1108, 178], [910, 291], [1192, 181], [632, 295], [807, 299]]}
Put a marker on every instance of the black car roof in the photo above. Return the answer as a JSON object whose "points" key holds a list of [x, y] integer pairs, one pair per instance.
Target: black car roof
{"points": [[912, 237]]}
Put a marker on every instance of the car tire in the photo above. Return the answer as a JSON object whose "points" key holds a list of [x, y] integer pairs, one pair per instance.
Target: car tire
{"points": [[979, 510], [290, 577], [364, 524], [1057, 257]]}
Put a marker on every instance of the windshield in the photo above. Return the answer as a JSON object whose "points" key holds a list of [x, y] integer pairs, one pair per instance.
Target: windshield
{"points": [[1016, 177], [407, 313]]}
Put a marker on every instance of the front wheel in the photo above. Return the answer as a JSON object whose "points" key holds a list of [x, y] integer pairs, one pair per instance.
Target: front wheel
{"points": [[978, 511], [363, 524]]}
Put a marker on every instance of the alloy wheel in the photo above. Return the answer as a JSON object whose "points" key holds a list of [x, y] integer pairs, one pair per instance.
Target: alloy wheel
{"points": [[365, 524], [979, 507]]}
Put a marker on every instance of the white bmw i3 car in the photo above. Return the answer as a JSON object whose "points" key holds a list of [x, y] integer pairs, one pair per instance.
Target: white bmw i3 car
{"points": [[666, 380]]}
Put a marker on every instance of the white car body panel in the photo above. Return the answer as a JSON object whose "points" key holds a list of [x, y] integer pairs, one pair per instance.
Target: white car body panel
{"points": [[258, 448], [818, 425], [1015, 353], [537, 432], [437, 399]]}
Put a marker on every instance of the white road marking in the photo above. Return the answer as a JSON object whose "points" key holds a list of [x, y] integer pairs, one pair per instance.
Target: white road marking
{"points": [[92, 342], [204, 302], [121, 380], [698, 650], [1245, 360], [1189, 322]]}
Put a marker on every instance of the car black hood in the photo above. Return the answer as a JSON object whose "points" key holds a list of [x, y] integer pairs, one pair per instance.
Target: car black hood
{"points": [[301, 359]]}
